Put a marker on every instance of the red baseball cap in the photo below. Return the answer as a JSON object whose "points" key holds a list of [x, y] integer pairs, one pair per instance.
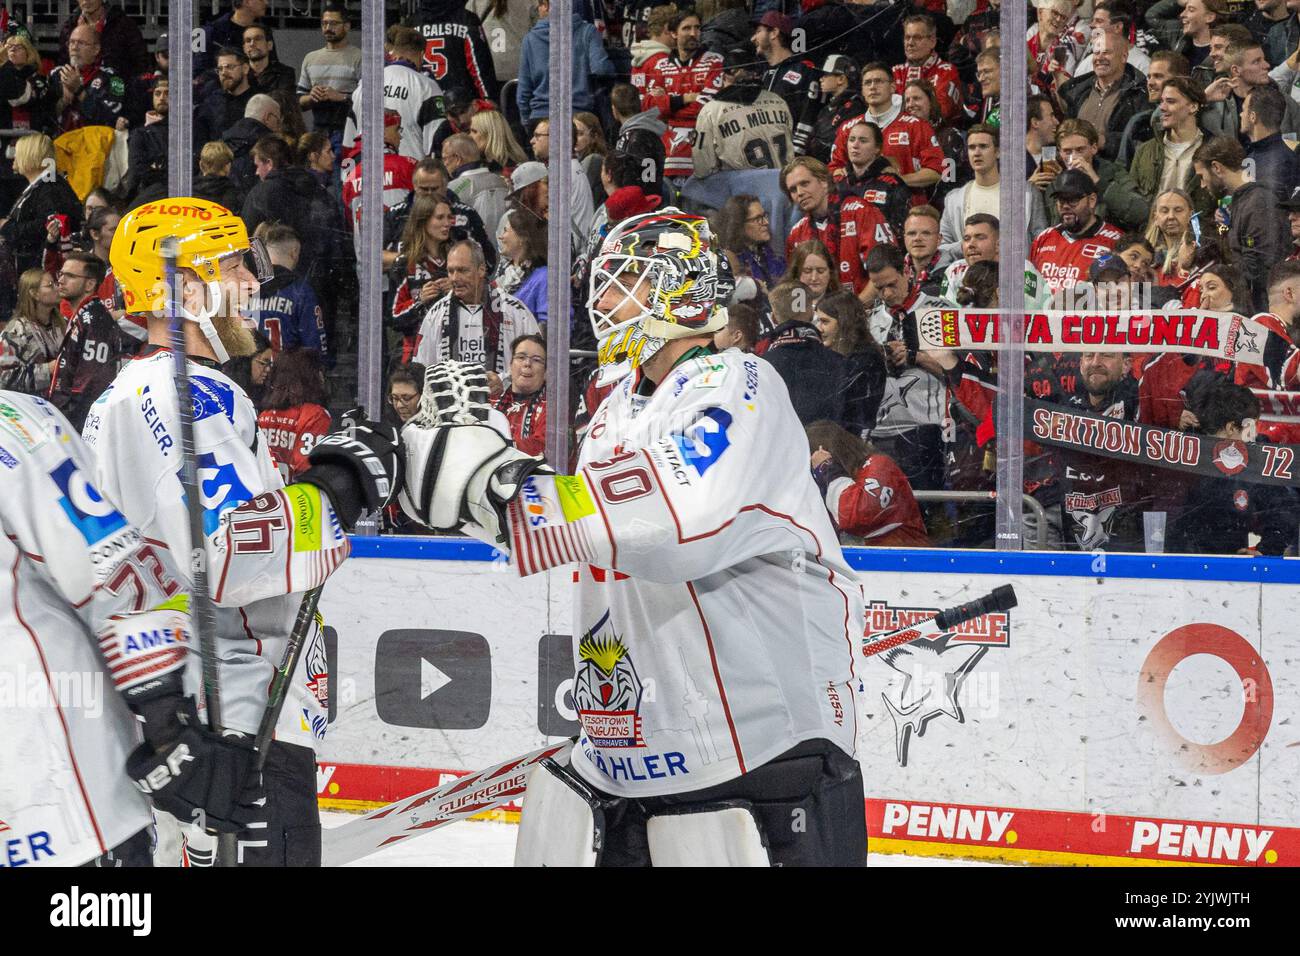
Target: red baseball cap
{"points": [[777, 21]]}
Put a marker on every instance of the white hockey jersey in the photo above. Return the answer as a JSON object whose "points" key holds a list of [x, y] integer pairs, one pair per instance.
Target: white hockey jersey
{"points": [[716, 618], [735, 135], [79, 586], [416, 97], [266, 543]]}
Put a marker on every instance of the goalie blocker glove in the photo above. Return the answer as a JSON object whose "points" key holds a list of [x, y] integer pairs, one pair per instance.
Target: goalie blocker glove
{"points": [[192, 773], [359, 468]]}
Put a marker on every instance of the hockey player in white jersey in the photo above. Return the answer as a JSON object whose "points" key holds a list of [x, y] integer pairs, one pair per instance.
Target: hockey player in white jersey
{"points": [[93, 635], [716, 619], [267, 543]]}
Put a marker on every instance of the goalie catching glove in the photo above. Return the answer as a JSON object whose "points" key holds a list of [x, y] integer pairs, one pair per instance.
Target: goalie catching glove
{"points": [[459, 469], [359, 468]]}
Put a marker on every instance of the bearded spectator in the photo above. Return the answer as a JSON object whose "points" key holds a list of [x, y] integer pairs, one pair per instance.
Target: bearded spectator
{"points": [[790, 75], [266, 74], [1257, 235], [227, 104], [1273, 162]]}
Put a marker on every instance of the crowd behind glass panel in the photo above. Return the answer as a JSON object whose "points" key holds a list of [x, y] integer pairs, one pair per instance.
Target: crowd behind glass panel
{"points": [[848, 158]]}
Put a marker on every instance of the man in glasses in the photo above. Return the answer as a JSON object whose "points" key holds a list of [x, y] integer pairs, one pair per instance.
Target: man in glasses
{"points": [[94, 345]]}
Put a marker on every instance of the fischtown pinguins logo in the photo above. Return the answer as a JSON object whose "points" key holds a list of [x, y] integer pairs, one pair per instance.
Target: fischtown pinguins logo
{"points": [[607, 689], [931, 672]]}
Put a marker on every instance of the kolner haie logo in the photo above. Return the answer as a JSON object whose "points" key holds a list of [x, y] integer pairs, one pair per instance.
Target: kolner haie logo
{"points": [[933, 670]]}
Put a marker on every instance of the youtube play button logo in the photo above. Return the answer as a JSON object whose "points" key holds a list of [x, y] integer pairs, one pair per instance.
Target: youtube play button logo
{"points": [[433, 679]]}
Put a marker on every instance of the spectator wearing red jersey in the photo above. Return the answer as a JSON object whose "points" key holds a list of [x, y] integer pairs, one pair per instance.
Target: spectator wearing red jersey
{"points": [[678, 84], [423, 257], [849, 227], [294, 418], [1160, 389], [1281, 368], [1063, 254], [868, 496], [523, 398], [910, 142], [873, 177], [922, 63], [398, 169]]}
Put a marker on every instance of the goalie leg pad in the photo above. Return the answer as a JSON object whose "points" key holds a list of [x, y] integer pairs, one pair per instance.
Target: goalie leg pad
{"points": [[720, 834], [563, 823]]}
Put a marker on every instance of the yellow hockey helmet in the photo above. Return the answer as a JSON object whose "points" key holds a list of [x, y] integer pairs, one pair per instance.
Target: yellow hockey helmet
{"points": [[205, 234]]}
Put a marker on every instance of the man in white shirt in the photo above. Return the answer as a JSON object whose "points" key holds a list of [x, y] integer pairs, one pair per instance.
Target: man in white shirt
{"points": [[981, 194]]}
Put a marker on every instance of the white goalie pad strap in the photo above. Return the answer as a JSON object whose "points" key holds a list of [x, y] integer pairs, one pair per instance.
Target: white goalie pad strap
{"points": [[716, 835], [562, 823]]}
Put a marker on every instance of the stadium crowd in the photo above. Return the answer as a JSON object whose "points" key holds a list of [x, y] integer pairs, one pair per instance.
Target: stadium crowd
{"points": [[848, 157]]}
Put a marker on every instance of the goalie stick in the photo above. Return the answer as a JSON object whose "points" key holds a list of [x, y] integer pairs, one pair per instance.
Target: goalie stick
{"points": [[460, 799], [203, 620], [473, 794]]}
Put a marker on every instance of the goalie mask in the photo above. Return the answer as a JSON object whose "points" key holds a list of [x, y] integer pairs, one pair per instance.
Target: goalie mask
{"points": [[657, 277], [208, 238]]}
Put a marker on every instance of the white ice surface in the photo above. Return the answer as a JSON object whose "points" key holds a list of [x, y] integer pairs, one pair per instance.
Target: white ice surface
{"points": [[486, 843]]}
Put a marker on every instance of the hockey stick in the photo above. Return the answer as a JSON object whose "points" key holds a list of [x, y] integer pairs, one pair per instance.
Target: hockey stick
{"points": [[201, 613], [999, 599], [284, 673], [458, 800], [490, 788]]}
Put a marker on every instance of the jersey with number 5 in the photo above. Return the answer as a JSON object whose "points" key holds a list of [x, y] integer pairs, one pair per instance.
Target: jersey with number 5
{"points": [[716, 621], [266, 543]]}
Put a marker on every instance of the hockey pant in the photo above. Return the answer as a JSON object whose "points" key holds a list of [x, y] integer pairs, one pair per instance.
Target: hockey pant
{"points": [[808, 805]]}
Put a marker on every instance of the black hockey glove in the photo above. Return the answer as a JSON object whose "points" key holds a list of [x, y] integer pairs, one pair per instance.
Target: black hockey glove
{"points": [[192, 773], [359, 468]]}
